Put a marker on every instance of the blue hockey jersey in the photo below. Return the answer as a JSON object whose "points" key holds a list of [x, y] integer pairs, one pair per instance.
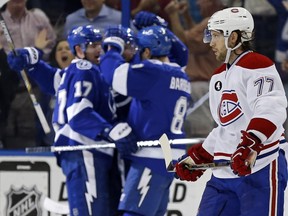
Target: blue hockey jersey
{"points": [[161, 93], [81, 92]]}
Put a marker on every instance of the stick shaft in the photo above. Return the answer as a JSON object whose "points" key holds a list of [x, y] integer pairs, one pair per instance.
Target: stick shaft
{"points": [[27, 83], [99, 145]]}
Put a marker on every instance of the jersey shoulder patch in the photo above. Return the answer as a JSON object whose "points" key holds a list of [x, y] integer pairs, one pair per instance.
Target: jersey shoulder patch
{"points": [[254, 60], [84, 65]]}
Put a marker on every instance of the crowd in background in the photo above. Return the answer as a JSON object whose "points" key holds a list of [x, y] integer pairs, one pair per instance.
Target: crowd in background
{"points": [[44, 24]]}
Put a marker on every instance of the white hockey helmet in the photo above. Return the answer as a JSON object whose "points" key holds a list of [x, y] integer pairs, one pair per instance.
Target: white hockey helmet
{"points": [[229, 20]]}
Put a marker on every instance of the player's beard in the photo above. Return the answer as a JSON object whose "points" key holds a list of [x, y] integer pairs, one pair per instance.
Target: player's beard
{"points": [[222, 56]]}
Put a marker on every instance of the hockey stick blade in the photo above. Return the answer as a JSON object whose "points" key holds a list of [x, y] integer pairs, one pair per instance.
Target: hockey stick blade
{"points": [[98, 145], [55, 207], [167, 153]]}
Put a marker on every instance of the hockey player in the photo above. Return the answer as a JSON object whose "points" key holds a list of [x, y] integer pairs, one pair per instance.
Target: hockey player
{"points": [[130, 55], [248, 102], [160, 91], [83, 114]]}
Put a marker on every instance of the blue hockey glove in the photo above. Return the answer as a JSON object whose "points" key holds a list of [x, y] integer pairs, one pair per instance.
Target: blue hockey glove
{"points": [[24, 58], [121, 134], [114, 37], [145, 18], [195, 155]]}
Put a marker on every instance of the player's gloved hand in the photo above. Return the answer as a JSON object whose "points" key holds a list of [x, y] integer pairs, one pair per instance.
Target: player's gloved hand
{"points": [[24, 58], [195, 155], [243, 159], [115, 38], [121, 134], [145, 18]]}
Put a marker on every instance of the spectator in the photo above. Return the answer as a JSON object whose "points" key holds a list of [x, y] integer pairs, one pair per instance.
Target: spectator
{"points": [[61, 55], [201, 61], [24, 25], [94, 12]]}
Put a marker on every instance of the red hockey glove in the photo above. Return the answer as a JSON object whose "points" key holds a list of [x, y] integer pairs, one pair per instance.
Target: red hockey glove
{"points": [[195, 155], [246, 153]]}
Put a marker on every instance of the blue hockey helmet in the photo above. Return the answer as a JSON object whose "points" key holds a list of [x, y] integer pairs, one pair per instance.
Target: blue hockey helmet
{"points": [[156, 38], [82, 36]]}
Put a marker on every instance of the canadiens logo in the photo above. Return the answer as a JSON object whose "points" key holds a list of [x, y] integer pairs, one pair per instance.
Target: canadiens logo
{"points": [[23, 202], [229, 109]]}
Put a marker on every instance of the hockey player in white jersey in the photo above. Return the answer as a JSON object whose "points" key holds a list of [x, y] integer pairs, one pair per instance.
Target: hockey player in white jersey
{"points": [[248, 102], [161, 92], [83, 114]]}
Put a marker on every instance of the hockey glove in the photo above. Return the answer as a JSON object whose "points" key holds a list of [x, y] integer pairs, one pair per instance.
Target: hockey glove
{"points": [[24, 58], [196, 155], [121, 134], [145, 18], [246, 153], [114, 37]]}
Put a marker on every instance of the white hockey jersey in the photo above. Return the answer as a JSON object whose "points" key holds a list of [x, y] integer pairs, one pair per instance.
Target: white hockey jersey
{"points": [[248, 95]]}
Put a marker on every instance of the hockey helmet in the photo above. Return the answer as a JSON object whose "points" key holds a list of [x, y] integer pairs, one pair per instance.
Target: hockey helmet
{"points": [[156, 38], [229, 20], [82, 36]]}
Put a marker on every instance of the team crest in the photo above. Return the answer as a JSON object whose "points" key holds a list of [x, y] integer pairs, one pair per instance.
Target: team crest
{"points": [[229, 109], [23, 202]]}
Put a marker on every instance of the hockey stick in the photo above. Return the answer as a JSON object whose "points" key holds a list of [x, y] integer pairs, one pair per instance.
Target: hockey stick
{"points": [[55, 207], [27, 83], [166, 148], [197, 104], [99, 145]]}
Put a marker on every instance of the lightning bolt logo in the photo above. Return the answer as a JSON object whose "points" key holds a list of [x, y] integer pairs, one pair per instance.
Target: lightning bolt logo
{"points": [[143, 185], [91, 181]]}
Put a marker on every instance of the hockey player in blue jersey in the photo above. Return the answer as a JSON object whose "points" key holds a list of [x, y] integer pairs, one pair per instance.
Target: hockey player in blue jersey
{"points": [[178, 52], [83, 114], [161, 92], [130, 55]]}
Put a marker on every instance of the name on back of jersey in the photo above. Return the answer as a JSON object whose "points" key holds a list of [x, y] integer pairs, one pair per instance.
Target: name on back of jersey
{"points": [[180, 84]]}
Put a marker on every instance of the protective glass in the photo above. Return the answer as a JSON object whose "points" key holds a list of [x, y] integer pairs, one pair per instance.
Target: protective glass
{"points": [[207, 37]]}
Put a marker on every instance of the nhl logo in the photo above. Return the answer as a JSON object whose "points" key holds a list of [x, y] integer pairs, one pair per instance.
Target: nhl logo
{"points": [[23, 202]]}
